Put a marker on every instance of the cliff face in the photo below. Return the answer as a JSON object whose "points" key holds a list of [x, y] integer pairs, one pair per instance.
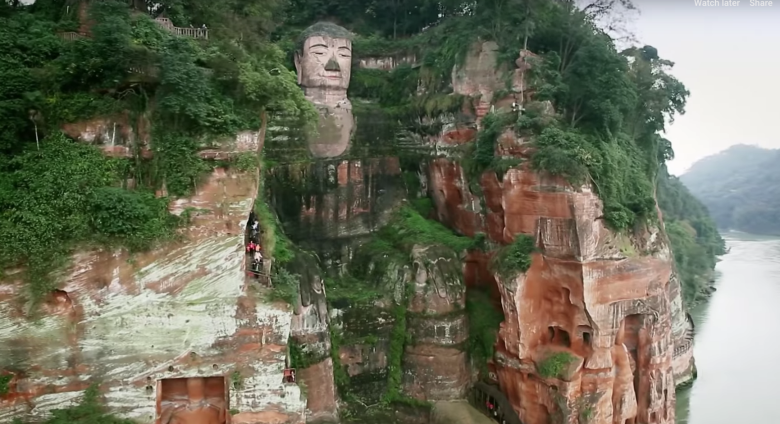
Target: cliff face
{"points": [[606, 302], [151, 326], [331, 209], [594, 331], [435, 363]]}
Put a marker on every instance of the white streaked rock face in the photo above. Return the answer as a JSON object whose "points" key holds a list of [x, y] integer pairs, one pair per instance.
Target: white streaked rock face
{"points": [[183, 310]]}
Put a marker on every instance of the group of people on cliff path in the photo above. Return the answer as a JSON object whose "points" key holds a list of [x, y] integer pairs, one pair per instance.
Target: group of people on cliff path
{"points": [[254, 249]]}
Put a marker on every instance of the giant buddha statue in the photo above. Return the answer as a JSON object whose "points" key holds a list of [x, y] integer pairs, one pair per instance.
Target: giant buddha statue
{"points": [[323, 62]]}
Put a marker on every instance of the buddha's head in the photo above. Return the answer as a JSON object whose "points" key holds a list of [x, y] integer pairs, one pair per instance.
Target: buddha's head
{"points": [[324, 57]]}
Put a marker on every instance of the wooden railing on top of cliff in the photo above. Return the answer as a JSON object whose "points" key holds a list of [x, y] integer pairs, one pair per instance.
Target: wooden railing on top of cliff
{"points": [[489, 400], [70, 35], [184, 32]]}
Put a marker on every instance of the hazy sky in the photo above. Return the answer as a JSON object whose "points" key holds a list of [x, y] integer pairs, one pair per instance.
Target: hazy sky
{"points": [[729, 59]]}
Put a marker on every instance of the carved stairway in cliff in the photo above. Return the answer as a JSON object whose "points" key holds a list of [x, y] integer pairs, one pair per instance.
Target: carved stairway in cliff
{"points": [[687, 340], [489, 400], [257, 269]]}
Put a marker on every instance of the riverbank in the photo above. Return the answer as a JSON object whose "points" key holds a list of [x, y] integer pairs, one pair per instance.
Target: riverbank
{"points": [[736, 376]]}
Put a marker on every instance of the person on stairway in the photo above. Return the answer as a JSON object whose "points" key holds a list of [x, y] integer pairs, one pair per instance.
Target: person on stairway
{"points": [[259, 258]]}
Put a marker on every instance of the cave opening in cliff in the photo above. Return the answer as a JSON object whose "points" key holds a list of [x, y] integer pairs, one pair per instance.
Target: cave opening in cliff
{"points": [[192, 400], [585, 333], [559, 336], [58, 302]]}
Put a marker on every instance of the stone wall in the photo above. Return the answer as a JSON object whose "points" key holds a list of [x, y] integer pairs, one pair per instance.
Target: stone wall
{"points": [[387, 63]]}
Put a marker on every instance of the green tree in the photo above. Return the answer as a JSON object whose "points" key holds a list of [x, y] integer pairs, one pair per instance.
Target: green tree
{"points": [[695, 239], [88, 411], [192, 92]]}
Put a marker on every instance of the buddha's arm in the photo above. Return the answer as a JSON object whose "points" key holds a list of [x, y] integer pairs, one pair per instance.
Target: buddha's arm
{"points": [[168, 413]]}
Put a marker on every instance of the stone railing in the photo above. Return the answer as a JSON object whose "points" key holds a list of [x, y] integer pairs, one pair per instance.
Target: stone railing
{"points": [[192, 32], [70, 36], [683, 348], [184, 32], [146, 71]]}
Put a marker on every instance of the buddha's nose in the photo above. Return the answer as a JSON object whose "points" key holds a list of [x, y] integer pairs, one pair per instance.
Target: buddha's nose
{"points": [[332, 65]]}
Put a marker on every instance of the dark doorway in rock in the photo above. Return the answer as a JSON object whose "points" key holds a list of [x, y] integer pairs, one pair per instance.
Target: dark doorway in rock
{"points": [[194, 399], [58, 302], [586, 333], [559, 336]]}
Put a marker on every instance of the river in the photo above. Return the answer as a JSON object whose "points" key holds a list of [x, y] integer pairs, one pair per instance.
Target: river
{"points": [[735, 341]]}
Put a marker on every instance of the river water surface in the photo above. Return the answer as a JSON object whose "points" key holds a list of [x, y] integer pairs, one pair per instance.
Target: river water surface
{"points": [[737, 340]]}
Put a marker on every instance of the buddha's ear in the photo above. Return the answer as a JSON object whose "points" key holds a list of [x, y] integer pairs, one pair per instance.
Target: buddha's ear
{"points": [[297, 60]]}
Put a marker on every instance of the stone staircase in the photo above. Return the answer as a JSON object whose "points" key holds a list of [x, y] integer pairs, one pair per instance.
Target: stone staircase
{"points": [[482, 394], [681, 349], [197, 33]]}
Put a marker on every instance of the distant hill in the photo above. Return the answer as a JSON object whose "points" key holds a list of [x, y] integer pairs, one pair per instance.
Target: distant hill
{"points": [[741, 188]]}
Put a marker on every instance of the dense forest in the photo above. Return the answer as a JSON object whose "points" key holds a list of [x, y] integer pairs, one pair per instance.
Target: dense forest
{"points": [[694, 237], [56, 195], [612, 105], [186, 92], [739, 187]]}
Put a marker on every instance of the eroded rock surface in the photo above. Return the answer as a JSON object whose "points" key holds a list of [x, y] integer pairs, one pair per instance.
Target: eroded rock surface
{"points": [[435, 362], [138, 323], [601, 297], [120, 136], [606, 302]]}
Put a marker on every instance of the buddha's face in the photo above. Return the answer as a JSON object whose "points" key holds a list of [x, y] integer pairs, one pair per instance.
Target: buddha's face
{"points": [[325, 62]]}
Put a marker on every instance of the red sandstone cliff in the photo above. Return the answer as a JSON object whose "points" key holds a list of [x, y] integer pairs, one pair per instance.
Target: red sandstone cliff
{"points": [[609, 300]]}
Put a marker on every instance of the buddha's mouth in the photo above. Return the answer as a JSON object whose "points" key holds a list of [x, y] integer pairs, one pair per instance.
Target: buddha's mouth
{"points": [[331, 75]]}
